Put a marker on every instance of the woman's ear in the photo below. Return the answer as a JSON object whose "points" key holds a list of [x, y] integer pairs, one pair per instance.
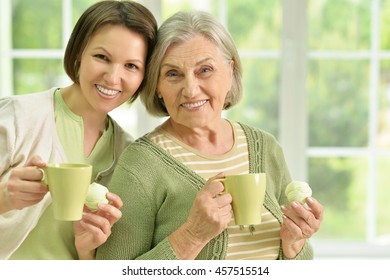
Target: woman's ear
{"points": [[231, 66]]}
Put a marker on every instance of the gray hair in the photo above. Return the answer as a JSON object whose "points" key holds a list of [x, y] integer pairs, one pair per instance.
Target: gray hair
{"points": [[183, 26]]}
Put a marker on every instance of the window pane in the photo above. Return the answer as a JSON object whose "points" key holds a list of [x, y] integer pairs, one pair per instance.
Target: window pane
{"points": [[385, 24], [259, 104], [36, 24], [340, 185], [339, 24], [383, 195], [169, 7], [255, 26], [32, 75], [384, 106], [338, 103], [79, 7]]}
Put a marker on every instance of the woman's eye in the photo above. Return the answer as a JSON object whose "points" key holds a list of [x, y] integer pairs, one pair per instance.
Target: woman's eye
{"points": [[205, 69], [171, 74], [101, 56], [205, 72], [131, 66]]}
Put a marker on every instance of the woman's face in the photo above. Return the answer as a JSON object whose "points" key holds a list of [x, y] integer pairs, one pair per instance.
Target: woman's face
{"points": [[194, 81], [112, 67]]}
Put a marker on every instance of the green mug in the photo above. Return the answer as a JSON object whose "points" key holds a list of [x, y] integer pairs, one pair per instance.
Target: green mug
{"points": [[68, 185], [247, 191]]}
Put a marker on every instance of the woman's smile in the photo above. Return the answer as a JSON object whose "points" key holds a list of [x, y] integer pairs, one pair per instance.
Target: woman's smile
{"points": [[194, 105], [107, 92]]}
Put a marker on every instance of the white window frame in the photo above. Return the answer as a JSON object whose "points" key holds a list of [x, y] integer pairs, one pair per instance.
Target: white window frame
{"points": [[328, 249]]}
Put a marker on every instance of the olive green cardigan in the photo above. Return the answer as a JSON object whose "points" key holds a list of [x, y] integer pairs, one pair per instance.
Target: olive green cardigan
{"points": [[158, 192]]}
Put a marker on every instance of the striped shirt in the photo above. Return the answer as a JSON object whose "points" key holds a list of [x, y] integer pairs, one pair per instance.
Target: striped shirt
{"points": [[255, 242]]}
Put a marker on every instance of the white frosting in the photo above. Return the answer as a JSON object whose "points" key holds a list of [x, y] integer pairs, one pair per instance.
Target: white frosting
{"points": [[96, 194], [298, 191]]}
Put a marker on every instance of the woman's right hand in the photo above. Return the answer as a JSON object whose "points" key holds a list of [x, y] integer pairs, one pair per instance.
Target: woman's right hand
{"points": [[24, 187], [209, 215]]}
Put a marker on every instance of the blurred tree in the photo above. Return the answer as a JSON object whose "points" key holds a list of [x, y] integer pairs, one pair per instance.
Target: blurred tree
{"points": [[37, 24], [339, 24], [385, 25], [257, 29], [338, 103], [255, 26]]}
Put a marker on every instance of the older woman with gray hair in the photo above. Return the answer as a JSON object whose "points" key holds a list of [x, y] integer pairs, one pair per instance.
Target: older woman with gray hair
{"points": [[173, 206]]}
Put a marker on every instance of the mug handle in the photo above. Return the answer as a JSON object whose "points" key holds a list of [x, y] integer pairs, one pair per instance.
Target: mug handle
{"points": [[43, 175]]}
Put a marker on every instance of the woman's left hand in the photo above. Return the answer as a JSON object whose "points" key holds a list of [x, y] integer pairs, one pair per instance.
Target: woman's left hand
{"points": [[299, 223], [95, 227]]}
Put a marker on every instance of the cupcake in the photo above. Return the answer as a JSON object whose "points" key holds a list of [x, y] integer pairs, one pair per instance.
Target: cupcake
{"points": [[298, 191], [96, 194]]}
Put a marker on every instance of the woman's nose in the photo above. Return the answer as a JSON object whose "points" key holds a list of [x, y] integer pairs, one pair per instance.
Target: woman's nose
{"points": [[191, 86], [113, 75]]}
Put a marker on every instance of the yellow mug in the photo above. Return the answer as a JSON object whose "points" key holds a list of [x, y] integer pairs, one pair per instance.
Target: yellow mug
{"points": [[247, 191], [68, 185]]}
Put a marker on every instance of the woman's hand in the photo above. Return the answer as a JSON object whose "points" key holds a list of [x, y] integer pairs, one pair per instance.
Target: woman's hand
{"points": [[95, 227], [299, 223], [209, 216], [24, 187]]}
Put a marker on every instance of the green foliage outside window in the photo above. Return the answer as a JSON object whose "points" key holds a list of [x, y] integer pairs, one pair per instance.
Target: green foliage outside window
{"points": [[33, 75], [341, 185], [338, 103], [36, 24], [255, 25], [339, 24], [259, 104]]}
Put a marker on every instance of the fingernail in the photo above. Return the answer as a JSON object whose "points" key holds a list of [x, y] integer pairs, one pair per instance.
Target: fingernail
{"points": [[294, 204], [102, 205], [310, 199]]}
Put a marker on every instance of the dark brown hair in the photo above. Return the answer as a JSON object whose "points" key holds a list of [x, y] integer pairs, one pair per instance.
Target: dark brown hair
{"points": [[129, 14]]}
